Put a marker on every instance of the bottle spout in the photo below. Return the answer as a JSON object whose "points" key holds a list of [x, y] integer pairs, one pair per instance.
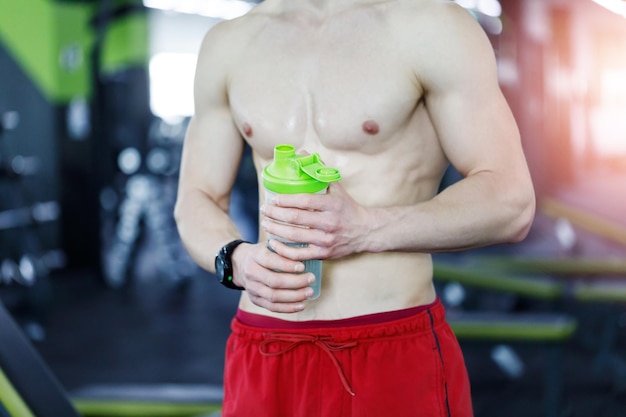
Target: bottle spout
{"points": [[284, 152], [314, 168]]}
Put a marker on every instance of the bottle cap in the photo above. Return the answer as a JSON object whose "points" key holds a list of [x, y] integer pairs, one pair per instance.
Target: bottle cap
{"points": [[297, 174]]}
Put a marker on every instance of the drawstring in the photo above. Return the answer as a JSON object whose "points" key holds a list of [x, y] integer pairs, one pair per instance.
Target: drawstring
{"points": [[323, 342]]}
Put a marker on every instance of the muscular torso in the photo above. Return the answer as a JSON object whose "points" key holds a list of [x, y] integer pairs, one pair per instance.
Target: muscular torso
{"points": [[340, 87]]}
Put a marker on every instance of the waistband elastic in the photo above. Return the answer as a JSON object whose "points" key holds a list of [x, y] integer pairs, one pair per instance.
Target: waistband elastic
{"points": [[386, 324]]}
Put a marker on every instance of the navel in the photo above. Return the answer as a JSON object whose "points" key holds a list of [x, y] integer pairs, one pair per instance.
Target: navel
{"points": [[370, 127], [247, 130]]}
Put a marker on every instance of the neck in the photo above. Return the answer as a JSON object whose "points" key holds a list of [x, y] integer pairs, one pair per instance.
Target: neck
{"points": [[322, 7]]}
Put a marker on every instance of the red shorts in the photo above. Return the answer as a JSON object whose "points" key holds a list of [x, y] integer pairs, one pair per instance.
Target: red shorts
{"points": [[384, 364]]}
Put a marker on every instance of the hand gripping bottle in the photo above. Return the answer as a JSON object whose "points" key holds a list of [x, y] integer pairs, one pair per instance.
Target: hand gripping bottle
{"points": [[298, 174]]}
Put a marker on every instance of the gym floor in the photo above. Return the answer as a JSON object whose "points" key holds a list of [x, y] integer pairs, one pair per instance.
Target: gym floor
{"points": [[151, 332]]}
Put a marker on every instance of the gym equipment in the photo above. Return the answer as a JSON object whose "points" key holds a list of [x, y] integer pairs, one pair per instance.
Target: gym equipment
{"points": [[42, 212], [485, 276], [604, 302], [595, 224], [600, 292], [514, 327], [9, 120], [613, 266], [30, 267], [508, 360], [137, 211], [10, 272], [19, 166], [148, 400], [27, 226], [129, 160], [28, 388], [546, 331], [165, 139], [145, 209]]}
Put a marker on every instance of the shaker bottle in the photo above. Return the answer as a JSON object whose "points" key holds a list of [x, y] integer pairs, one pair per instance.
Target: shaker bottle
{"points": [[298, 174]]}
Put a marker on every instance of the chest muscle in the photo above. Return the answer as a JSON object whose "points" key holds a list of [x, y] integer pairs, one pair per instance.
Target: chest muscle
{"points": [[340, 91]]}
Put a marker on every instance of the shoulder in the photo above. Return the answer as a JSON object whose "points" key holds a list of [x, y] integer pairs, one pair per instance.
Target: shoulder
{"points": [[220, 51], [440, 39], [437, 21], [432, 13], [226, 37], [229, 38], [224, 45]]}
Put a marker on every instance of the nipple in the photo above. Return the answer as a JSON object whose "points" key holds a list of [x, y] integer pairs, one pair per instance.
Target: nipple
{"points": [[247, 130], [370, 127]]}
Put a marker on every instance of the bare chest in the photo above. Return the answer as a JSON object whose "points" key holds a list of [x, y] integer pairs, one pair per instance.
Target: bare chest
{"points": [[331, 88]]}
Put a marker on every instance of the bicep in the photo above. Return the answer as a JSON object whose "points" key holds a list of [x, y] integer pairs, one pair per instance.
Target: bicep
{"points": [[475, 126], [213, 146], [476, 130], [211, 153]]}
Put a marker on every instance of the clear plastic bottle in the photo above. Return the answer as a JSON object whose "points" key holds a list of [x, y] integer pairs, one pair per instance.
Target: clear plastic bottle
{"points": [[289, 173]]}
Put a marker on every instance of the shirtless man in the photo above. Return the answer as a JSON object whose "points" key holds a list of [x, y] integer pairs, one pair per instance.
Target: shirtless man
{"points": [[389, 92]]}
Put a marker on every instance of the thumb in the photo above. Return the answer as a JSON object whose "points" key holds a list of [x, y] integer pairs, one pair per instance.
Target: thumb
{"points": [[335, 188]]}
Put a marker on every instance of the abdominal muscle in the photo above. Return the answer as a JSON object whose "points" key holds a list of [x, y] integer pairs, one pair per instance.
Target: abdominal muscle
{"points": [[364, 284], [368, 283]]}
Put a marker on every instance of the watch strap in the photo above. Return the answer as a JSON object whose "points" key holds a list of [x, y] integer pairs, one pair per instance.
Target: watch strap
{"points": [[226, 253]]}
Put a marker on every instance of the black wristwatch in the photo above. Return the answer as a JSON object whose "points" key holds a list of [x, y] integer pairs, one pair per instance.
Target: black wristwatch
{"points": [[224, 265]]}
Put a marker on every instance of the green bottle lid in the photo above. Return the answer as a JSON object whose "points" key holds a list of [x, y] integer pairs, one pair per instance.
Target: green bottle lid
{"points": [[297, 174]]}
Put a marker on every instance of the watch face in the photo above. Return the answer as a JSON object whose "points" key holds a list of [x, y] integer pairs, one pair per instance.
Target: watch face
{"points": [[219, 266]]}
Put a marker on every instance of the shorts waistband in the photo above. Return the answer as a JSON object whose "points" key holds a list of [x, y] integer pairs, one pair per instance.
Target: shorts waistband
{"points": [[257, 320], [387, 324]]}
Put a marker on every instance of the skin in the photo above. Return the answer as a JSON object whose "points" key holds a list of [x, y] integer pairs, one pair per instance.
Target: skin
{"points": [[388, 92]]}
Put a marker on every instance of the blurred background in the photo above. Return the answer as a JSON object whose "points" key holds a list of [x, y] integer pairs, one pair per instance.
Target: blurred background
{"points": [[95, 97]]}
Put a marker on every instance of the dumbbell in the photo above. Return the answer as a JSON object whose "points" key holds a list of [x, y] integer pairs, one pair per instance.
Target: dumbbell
{"points": [[19, 166], [42, 212], [9, 121], [10, 272], [30, 267]]}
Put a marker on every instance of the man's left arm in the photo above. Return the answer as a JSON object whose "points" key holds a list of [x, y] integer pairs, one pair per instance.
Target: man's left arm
{"points": [[493, 203]]}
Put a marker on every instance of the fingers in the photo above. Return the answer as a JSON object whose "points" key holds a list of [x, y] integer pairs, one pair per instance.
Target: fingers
{"points": [[319, 202], [290, 223], [282, 292], [300, 201], [315, 211], [313, 250]]}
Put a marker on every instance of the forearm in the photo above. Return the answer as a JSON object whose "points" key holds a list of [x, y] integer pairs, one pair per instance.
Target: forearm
{"points": [[204, 227], [478, 211]]}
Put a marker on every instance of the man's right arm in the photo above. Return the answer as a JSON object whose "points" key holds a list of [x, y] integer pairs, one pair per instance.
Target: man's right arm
{"points": [[211, 153]]}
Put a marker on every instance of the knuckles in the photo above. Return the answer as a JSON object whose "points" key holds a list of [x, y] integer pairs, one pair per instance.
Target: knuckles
{"points": [[328, 239], [307, 200], [295, 217]]}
